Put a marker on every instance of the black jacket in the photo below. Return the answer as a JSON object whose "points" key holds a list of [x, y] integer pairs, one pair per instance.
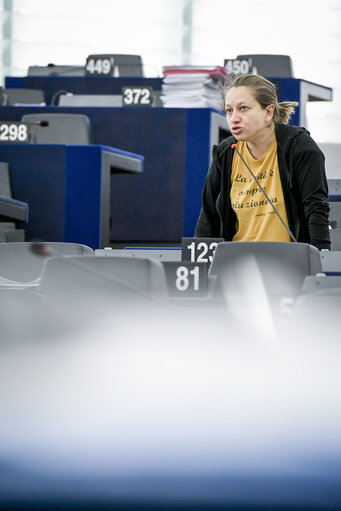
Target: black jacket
{"points": [[304, 183]]}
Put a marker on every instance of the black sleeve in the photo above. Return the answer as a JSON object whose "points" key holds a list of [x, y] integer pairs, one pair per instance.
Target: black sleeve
{"points": [[310, 176], [208, 224]]}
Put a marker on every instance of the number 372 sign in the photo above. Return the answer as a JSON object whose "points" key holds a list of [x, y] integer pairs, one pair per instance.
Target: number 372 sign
{"points": [[137, 96]]}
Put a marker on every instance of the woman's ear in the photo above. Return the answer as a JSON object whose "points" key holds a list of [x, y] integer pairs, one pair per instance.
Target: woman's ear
{"points": [[270, 109]]}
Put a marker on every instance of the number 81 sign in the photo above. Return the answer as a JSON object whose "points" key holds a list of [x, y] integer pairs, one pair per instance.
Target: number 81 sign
{"points": [[185, 278]]}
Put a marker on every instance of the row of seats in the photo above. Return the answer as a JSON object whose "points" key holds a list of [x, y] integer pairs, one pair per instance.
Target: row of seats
{"points": [[238, 272]]}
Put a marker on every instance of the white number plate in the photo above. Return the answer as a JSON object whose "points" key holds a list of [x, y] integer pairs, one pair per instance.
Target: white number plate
{"points": [[137, 96], [13, 132], [199, 250], [99, 65], [238, 67]]}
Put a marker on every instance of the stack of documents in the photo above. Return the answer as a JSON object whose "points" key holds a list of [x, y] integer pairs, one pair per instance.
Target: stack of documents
{"points": [[193, 86]]}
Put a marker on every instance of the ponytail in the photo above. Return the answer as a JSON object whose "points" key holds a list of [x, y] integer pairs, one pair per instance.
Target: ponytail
{"points": [[283, 111]]}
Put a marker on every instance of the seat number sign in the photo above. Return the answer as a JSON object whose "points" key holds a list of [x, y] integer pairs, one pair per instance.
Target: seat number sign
{"points": [[238, 66], [199, 249], [99, 65], [137, 96], [186, 278], [13, 132]]}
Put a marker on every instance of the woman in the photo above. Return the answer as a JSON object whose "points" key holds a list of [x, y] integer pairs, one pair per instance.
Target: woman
{"points": [[286, 162]]}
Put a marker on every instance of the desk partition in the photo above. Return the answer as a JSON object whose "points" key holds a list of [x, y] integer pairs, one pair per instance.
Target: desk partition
{"points": [[67, 188]]}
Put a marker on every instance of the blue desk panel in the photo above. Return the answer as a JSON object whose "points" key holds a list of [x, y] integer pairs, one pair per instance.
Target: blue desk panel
{"points": [[67, 189], [295, 89], [163, 204]]}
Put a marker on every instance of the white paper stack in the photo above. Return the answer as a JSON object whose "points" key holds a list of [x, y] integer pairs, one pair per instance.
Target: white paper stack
{"points": [[193, 86]]}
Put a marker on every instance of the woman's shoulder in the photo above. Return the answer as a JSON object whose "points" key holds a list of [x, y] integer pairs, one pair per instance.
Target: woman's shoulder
{"points": [[295, 137], [223, 146]]}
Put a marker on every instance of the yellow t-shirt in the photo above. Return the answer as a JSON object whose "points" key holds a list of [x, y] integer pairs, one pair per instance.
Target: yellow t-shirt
{"points": [[256, 219]]}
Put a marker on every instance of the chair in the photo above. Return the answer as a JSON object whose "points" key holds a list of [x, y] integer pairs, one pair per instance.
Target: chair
{"points": [[275, 270], [335, 215], [55, 70], [69, 99], [50, 128], [321, 281], [23, 261], [270, 65], [125, 64], [316, 310], [335, 239], [159, 253], [334, 187], [332, 153], [85, 288], [11, 210], [13, 97]]}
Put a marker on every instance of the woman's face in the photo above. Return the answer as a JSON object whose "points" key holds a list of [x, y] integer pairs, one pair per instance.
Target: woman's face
{"points": [[246, 118]]}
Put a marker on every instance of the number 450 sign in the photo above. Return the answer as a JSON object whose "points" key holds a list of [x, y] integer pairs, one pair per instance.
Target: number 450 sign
{"points": [[238, 66]]}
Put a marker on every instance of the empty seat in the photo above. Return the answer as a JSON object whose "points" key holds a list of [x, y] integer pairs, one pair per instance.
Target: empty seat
{"points": [[335, 238], [270, 64], [320, 281], [332, 153], [56, 70], [318, 310], [69, 99], [12, 211], [334, 187], [335, 215], [13, 97], [88, 279], [277, 269], [50, 128], [23, 261], [125, 64]]}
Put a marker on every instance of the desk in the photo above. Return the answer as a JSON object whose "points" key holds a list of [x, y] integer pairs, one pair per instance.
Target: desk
{"points": [[67, 188], [289, 89], [79, 84], [164, 203]]}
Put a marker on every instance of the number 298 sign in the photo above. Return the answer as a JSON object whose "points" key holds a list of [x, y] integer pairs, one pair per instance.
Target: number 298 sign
{"points": [[14, 132]]}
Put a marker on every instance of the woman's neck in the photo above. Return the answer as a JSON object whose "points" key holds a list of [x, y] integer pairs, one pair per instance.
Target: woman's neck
{"points": [[259, 146]]}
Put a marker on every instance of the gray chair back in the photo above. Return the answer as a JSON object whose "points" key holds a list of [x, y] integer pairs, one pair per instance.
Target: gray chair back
{"points": [[72, 129], [335, 239], [335, 215], [11, 211], [56, 70], [12, 97], [119, 279], [332, 153], [128, 65], [24, 261], [270, 65], [279, 267], [334, 186]]}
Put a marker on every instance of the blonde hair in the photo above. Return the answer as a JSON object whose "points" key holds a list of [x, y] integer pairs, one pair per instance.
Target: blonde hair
{"points": [[265, 93]]}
